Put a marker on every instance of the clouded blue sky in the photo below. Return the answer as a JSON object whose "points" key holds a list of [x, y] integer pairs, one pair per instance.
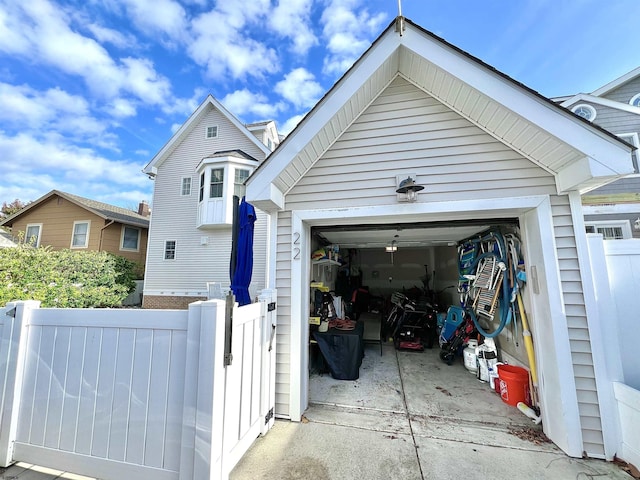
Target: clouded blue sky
{"points": [[90, 90]]}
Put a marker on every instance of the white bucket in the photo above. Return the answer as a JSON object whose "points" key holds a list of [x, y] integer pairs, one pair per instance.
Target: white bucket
{"points": [[470, 358]]}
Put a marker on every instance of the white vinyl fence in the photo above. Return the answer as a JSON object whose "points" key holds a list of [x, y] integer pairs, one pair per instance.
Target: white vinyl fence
{"points": [[117, 393], [616, 269]]}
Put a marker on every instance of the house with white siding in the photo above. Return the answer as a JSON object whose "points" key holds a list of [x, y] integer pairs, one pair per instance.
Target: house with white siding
{"points": [[486, 149], [197, 173], [613, 209]]}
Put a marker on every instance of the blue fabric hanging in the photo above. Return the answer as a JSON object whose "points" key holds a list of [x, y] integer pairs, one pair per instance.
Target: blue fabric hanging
{"points": [[241, 277]]}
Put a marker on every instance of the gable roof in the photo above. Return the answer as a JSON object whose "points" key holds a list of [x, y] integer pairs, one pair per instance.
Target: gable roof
{"points": [[185, 129], [581, 156], [6, 239], [104, 210], [616, 83]]}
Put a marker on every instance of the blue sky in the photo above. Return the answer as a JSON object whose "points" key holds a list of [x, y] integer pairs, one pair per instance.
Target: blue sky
{"points": [[90, 90]]}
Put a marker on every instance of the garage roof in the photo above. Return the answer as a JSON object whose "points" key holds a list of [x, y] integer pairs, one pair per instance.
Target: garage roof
{"points": [[580, 155]]}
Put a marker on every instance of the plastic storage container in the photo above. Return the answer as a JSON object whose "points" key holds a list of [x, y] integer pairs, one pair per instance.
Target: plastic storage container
{"points": [[470, 357]]}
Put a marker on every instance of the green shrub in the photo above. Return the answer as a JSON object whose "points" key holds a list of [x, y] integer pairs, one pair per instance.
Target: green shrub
{"points": [[65, 278]]}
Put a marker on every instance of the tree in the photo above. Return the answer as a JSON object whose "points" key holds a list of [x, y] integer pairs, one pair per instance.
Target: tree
{"points": [[9, 209]]}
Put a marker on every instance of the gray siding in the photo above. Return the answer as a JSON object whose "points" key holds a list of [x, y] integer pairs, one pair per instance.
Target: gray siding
{"points": [[625, 92], [584, 372], [283, 338], [174, 218], [407, 131]]}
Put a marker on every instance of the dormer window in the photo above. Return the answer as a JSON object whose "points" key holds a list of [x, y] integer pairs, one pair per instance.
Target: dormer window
{"points": [[221, 177], [635, 100], [211, 132]]}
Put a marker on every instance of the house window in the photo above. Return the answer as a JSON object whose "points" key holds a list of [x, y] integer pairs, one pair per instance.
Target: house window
{"points": [[610, 230], [240, 177], [632, 138], [201, 195], [585, 111], [80, 237], [130, 239], [216, 187], [32, 235], [635, 100], [212, 132], [170, 250], [185, 189]]}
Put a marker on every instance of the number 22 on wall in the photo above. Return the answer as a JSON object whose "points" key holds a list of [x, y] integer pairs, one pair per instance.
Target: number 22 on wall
{"points": [[296, 249]]}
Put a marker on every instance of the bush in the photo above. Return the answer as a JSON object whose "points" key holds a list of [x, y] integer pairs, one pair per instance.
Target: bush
{"points": [[64, 278]]}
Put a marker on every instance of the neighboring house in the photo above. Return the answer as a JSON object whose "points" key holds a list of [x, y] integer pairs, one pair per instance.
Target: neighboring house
{"points": [[62, 220], [196, 174], [486, 148], [6, 239], [614, 209]]}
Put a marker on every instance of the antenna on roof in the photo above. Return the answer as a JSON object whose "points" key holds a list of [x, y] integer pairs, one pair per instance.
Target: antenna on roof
{"points": [[400, 19]]}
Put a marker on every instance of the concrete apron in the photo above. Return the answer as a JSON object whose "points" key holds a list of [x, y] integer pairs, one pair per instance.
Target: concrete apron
{"points": [[410, 416]]}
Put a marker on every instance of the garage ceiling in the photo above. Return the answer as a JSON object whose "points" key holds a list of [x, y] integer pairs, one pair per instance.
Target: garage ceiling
{"points": [[409, 235]]}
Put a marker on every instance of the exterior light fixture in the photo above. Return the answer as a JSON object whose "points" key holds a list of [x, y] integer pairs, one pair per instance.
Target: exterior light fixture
{"points": [[392, 247], [409, 188], [636, 224]]}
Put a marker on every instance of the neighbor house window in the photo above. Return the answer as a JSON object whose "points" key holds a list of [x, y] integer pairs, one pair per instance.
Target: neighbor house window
{"points": [[186, 186], [585, 111], [201, 196], [170, 250], [212, 132], [610, 230], [130, 238], [80, 237], [216, 188], [32, 235], [240, 177], [635, 100]]}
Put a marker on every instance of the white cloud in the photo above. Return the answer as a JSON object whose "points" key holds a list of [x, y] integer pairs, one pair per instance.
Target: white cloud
{"points": [[155, 17], [175, 127], [348, 30], [242, 102], [121, 108], [184, 106], [300, 88], [42, 32], [292, 19], [221, 45], [109, 35], [290, 124]]}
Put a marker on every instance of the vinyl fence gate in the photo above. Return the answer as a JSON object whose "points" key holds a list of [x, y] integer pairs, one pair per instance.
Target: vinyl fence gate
{"points": [[135, 394]]}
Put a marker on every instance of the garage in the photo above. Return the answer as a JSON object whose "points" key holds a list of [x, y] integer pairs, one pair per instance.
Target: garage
{"points": [[487, 151], [412, 270]]}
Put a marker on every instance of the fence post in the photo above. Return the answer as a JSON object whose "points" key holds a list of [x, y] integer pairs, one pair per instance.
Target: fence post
{"points": [[201, 449], [13, 340], [267, 376]]}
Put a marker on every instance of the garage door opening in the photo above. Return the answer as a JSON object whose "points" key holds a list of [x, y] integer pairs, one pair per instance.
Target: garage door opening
{"points": [[367, 272]]}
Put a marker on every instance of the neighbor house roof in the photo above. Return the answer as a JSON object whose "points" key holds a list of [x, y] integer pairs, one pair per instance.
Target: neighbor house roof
{"points": [[580, 155], [104, 210], [6, 240], [192, 121]]}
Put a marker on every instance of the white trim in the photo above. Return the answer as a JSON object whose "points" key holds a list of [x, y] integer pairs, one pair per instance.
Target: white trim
{"points": [[625, 225], [26, 230], [632, 138], [593, 113], [633, 99], [122, 230], [86, 238], [550, 331], [606, 397], [583, 97], [617, 82], [176, 293]]}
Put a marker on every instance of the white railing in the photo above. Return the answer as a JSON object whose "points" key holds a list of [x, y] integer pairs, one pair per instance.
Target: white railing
{"points": [[116, 393]]}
